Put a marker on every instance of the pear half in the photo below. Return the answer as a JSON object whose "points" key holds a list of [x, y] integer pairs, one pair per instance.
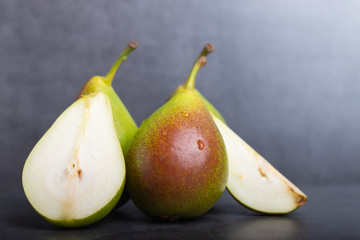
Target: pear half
{"points": [[75, 174], [253, 181]]}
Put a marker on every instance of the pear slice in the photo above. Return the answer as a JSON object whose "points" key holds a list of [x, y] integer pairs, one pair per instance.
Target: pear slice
{"points": [[75, 174], [253, 181]]}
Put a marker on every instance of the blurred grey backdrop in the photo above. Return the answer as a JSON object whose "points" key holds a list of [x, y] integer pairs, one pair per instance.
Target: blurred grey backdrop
{"points": [[284, 74]]}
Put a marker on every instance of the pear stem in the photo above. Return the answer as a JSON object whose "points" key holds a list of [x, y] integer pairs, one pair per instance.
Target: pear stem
{"points": [[190, 82], [199, 62], [129, 48]]}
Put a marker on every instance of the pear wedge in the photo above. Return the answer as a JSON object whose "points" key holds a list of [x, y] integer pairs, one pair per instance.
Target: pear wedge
{"points": [[75, 174], [253, 181]]}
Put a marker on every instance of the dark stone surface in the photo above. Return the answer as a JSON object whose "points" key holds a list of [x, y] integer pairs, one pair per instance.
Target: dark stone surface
{"points": [[331, 213]]}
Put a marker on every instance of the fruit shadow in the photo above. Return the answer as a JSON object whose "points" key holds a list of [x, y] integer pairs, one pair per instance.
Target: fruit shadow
{"points": [[24, 217], [21, 215], [266, 227], [30, 220], [35, 227], [130, 212], [27, 219], [141, 226]]}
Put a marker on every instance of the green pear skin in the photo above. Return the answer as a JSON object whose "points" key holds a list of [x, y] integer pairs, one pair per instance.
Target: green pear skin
{"points": [[208, 105]]}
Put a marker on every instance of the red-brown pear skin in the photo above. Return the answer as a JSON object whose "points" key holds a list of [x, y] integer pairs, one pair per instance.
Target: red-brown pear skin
{"points": [[177, 163]]}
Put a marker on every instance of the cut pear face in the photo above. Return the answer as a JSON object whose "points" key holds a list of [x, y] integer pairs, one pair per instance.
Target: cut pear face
{"points": [[253, 181], [76, 172]]}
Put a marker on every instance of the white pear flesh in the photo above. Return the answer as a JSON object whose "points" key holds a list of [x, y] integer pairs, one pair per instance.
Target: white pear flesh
{"points": [[253, 181], [77, 168]]}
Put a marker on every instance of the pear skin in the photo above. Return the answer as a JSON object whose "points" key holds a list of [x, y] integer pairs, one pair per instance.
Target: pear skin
{"points": [[177, 164]]}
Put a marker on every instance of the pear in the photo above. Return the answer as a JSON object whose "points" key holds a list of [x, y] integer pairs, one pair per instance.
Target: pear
{"points": [[177, 163], [253, 181], [75, 174]]}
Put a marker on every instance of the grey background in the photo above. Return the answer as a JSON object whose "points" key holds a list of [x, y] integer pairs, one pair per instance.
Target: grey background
{"points": [[285, 74]]}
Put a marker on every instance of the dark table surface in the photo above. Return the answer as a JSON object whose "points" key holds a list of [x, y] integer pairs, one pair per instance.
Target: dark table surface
{"points": [[332, 212]]}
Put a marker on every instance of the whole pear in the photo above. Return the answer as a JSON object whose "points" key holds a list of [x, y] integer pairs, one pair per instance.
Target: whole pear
{"points": [[177, 163]]}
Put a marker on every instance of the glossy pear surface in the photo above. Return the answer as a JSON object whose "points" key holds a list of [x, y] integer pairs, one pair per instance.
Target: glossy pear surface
{"points": [[75, 174], [177, 163], [208, 105]]}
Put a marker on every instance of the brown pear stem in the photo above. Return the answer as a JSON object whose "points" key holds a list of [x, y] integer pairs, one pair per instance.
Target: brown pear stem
{"points": [[130, 47], [208, 48], [191, 79]]}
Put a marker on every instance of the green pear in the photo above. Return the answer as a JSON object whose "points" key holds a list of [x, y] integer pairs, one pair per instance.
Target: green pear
{"points": [[253, 181], [75, 174], [177, 163]]}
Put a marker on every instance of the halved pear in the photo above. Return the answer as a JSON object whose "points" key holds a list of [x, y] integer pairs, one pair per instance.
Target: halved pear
{"points": [[253, 181], [75, 174]]}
